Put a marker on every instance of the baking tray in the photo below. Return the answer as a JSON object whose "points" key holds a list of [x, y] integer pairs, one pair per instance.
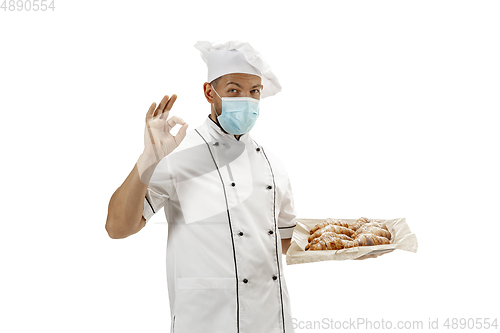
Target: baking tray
{"points": [[401, 238]]}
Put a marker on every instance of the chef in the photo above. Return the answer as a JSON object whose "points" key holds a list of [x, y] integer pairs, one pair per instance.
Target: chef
{"points": [[227, 200]]}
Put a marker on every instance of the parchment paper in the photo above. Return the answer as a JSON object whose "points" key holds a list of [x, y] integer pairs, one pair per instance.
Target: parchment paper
{"points": [[401, 238]]}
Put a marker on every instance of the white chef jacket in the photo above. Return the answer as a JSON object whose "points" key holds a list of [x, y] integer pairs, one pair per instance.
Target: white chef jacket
{"points": [[228, 204]]}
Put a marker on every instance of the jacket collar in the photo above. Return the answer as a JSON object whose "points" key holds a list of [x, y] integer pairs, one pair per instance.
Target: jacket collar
{"points": [[217, 131]]}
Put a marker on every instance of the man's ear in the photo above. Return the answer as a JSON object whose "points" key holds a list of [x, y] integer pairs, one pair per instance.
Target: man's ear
{"points": [[208, 91]]}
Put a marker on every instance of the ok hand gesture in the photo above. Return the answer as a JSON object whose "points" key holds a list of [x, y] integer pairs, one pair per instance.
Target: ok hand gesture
{"points": [[158, 141]]}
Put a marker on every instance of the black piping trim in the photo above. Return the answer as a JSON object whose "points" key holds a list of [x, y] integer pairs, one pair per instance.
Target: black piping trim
{"points": [[276, 243], [150, 205], [232, 239], [292, 226]]}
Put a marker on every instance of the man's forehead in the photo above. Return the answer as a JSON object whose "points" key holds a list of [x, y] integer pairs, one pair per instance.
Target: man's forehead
{"points": [[241, 78]]}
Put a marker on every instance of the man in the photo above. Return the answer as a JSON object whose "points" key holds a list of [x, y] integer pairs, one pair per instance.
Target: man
{"points": [[228, 202]]}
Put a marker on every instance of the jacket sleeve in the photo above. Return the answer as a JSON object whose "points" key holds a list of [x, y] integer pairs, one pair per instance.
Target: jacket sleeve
{"points": [[159, 190], [153, 202], [286, 217]]}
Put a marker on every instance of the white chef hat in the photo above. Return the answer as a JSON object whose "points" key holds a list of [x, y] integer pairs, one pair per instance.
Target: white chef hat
{"points": [[237, 57]]}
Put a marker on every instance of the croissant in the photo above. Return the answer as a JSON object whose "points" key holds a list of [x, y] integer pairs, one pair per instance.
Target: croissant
{"points": [[328, 221], [379, 224], [370, 228], [371, 239], [341, 223], [364, 220], [343, 236], [360, 222], [333, 228], [318, 226], [330, 241]]}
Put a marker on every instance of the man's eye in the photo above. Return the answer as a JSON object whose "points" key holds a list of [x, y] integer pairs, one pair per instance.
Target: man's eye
{"points": [[256, 91], [232, 90]]}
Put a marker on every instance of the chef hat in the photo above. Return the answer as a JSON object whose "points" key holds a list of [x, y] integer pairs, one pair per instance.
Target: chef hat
{"points": [[237, 57]]}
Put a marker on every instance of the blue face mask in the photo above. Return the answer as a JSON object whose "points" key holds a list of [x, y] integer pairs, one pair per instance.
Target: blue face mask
{"points": [[238, 114]]}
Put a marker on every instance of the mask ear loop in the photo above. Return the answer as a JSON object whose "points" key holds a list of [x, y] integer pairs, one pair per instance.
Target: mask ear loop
{"points": [[215, 91], [213, 104]]}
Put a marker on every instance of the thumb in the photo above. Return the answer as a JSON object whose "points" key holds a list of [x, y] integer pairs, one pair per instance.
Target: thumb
{"points": [[181, 134]]}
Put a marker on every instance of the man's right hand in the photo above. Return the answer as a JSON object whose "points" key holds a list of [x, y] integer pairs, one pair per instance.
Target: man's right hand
{"points": [[158, 141]]}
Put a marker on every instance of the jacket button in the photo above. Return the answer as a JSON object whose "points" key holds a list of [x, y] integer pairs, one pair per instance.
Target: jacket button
{"points": [[270, 232], [245, 280], [233, 184], [269, 187], [216, 144], [240, 233], [258, 149], [275, 277]]}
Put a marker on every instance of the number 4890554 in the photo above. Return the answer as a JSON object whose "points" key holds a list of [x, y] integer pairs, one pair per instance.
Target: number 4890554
{"points": [[27, 5]]}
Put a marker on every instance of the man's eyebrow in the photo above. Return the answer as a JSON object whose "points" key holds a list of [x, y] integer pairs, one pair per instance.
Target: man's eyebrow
{"points": [[233, 83], [236, 84]]}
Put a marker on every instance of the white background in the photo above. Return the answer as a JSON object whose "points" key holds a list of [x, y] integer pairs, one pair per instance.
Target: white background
{"points": [[389, 109]]}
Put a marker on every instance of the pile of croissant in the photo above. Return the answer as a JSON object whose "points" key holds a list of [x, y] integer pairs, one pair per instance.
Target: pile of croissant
{"points": [[338, 234]]}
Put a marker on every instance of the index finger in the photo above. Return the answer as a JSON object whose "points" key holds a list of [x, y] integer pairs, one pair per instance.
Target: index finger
{"points": [[168, 107], [161, 107], [171, 101]]}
